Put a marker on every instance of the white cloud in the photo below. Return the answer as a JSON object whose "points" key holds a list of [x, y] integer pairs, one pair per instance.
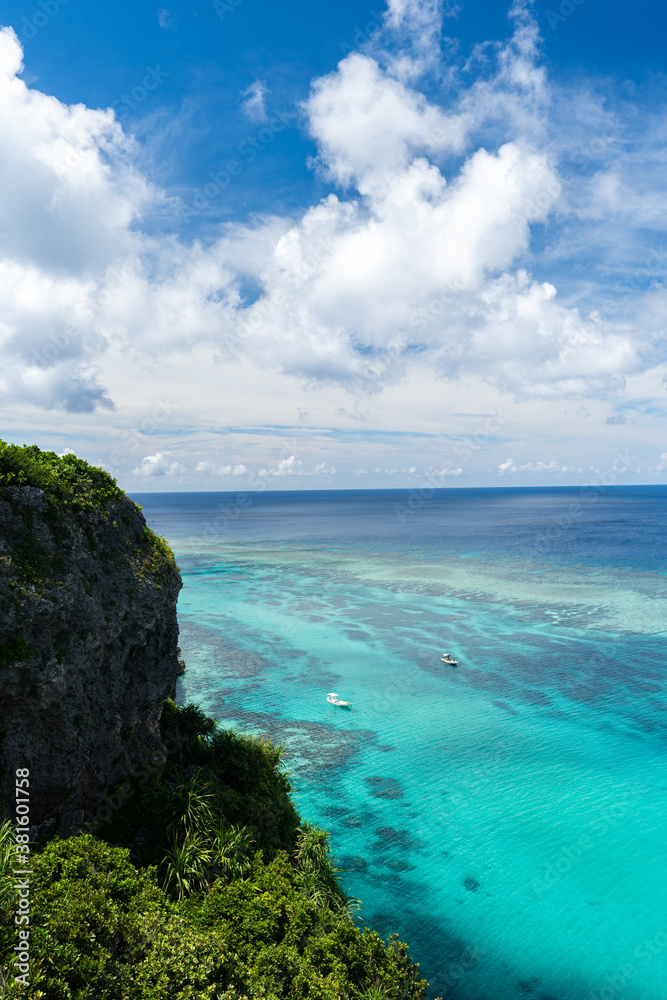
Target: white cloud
{"points": [[454, 470], [418, 24], [211, 469], [284, 467], [366, 123], [165, 19], [158, 465], [427, 253], [254, 104], [68, 199], [553, 466]]}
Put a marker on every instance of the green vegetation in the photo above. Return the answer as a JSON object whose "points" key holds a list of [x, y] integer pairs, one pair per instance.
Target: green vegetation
{"points": [[15, 648], [73, 491], [67, 480], [7, 893], [203, 885]]}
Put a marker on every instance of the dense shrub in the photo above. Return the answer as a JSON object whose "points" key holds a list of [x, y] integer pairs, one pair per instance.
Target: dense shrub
{"points": [[198, 897], [104, 929], [217, 785], [65, 479]]}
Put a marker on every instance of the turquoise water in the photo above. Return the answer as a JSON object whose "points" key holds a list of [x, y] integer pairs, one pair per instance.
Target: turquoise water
{"points": [[505, 817]]}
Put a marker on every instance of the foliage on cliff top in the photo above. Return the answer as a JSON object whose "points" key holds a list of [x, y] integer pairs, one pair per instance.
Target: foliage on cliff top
{"points": [[66, 479], [73, 487]]}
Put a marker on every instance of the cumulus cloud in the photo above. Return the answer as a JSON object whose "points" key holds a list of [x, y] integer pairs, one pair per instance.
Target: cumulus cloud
{"points": [[552, 466], [366, 123], [453, 470], [291, 466], [211, 469], [158, 465], [423, 246], [68, 199]]}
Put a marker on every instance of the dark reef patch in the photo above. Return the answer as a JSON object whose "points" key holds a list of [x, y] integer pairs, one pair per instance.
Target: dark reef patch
{"points": [[471, 884], [399, 865], [384, 788], [336, 810], [320, 747], [353, 863], [526, 986], [390, 837]]}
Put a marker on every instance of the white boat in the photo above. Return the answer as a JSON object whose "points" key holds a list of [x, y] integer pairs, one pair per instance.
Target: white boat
{"points": [[448, 658], [333, 699]]}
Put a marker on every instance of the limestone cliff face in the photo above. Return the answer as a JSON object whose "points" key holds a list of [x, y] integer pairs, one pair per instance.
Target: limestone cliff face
{"points": [[88, 647]]}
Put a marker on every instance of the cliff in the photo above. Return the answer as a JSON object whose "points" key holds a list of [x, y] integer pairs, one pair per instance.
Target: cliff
{"points": [[88, 634]]}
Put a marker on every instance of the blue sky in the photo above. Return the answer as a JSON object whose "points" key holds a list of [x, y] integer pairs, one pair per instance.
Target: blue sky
{"points": [[248, 245]]}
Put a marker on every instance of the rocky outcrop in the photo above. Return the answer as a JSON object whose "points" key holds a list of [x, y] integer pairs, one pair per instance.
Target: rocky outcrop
{"points": [[88, 647]]}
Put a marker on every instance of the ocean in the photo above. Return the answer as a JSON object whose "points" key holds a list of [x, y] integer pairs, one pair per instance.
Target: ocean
{"points": [[506, 817]]}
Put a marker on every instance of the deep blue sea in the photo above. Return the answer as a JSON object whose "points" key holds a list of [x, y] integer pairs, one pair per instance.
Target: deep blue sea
{"points": [[507, 817]]}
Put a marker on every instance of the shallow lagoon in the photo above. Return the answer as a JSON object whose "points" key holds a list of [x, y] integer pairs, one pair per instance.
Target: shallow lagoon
{"points": [[506, 817]]}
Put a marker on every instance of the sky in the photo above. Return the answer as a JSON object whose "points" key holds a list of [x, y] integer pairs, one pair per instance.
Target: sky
{"points": [[248, 245]]}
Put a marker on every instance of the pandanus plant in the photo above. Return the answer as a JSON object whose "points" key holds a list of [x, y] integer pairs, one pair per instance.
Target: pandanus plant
{"points": [[187, 864], [319, 875], [184, 807], [231, 848], [192, 862]]}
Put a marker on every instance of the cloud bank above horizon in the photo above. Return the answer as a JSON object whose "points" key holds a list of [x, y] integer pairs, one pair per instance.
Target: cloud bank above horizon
{"points": [[483, 224]]}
